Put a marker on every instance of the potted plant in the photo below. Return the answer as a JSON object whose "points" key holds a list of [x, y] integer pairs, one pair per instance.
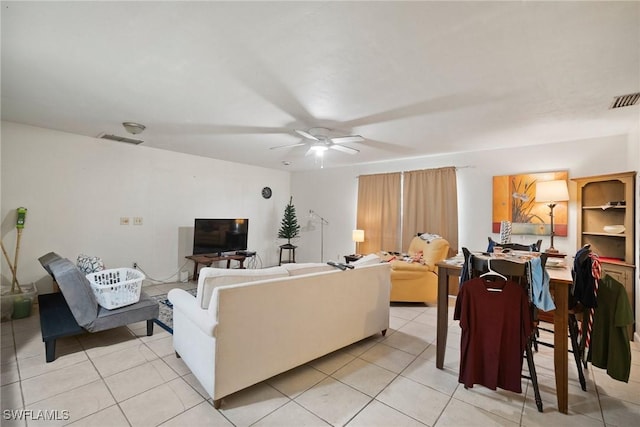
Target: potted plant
{"points": [[289, 227]]}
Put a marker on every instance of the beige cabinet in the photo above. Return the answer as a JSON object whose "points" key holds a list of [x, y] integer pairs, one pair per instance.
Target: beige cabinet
{"points": [[606, 220], [624, 275]]}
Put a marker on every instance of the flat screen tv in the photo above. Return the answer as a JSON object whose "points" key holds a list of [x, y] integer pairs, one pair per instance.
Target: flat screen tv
{"points": [[216, 236]]}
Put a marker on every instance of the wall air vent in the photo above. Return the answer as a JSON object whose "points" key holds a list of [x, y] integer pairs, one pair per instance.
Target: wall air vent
{"points": [[120, 139], [625, 100]]}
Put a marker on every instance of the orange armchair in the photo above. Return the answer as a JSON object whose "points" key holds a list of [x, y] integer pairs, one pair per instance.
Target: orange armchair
{"points": [[417, 280]]}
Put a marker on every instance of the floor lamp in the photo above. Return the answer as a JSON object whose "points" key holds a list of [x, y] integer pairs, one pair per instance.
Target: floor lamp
{"points": [[551, 192], [323, 222]]}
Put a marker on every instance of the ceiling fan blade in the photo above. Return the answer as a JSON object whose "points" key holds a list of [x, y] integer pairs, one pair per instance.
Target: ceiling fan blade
{"points": [[288, 146], [344, 149], [343, 139], [306, 134]]}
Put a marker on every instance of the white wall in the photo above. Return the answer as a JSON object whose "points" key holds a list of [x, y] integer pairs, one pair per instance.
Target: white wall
{"points": [[76, 188], [333, 192]]}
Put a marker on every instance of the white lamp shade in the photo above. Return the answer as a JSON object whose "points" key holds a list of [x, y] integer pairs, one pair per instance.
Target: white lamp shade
{"points": [[357, 236], [552, 191]]}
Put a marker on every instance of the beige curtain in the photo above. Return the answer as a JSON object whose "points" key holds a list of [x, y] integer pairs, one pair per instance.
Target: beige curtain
{"points": [[430, 205], [379, 212]]}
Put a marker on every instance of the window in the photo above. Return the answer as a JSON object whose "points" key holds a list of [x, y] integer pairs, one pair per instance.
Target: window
{"points": [[429, 203]]}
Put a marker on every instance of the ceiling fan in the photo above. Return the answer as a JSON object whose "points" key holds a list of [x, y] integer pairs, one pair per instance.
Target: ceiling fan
{"points": [[320, 141]]}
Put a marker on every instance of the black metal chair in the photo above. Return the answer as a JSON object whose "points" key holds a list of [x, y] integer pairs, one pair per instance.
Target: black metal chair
{"points": [[517, 272], [577, 341], [534, 247], [577, 345]]}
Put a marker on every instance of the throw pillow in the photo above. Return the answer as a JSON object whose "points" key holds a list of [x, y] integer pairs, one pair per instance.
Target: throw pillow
{"points": [[89, 264]]}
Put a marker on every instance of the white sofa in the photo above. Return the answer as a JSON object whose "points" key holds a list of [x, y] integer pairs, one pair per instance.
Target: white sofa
{"points": [[241, 334]]}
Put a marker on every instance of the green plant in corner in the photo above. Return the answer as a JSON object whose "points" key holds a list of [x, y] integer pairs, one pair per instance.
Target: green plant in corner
{"points": [[289, 227]]}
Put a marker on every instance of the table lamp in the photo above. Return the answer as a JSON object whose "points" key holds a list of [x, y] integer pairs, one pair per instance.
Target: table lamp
{"points": [[551, 192], [357, 236]]}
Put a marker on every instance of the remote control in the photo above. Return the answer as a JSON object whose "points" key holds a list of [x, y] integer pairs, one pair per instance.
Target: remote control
{"points": [[336, 265]]}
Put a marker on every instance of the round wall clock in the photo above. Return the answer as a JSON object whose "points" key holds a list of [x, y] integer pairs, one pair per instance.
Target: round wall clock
{"points": [[266, 192]]}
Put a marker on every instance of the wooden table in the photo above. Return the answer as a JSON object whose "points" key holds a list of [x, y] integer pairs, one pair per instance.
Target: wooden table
{"points": [[560, 284], [207, 260]]}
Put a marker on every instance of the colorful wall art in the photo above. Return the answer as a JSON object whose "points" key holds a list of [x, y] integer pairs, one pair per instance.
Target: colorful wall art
{"points": [[514, 200]]}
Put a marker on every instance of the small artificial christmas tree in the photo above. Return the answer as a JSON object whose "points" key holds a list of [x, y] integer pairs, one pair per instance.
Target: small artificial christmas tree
{"points": [[289, 227]]}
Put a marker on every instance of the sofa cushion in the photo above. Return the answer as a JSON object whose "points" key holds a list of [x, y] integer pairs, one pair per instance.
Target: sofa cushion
{"points": [[76, 290], [146, 308], [300, 269], [433, 251], [411, 275], [211, 278], [48, 259], [438, 250]]}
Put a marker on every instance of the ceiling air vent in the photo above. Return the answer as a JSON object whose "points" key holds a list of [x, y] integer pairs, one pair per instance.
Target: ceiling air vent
{"points": [[120, 139], [625, 100]]}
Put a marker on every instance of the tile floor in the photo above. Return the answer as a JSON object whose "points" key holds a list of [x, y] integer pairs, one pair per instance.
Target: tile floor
{"points": [[122, 377]]}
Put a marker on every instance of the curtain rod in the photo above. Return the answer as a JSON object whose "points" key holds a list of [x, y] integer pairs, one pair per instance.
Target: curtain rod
{"points": [[401, 172]]}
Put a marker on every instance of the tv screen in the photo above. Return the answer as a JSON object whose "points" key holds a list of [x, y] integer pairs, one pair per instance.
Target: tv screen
{"points": [[215, 236]]}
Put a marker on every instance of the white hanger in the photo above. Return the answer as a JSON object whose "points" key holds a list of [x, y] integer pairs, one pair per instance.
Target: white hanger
{"points": [[492, 272]]}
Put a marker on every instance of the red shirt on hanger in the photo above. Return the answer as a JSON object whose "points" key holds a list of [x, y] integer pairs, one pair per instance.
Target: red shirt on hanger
{"points": [[496, 323]]}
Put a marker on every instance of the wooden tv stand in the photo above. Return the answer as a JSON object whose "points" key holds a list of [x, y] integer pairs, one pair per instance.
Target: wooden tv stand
{"points": [[207, 260]]}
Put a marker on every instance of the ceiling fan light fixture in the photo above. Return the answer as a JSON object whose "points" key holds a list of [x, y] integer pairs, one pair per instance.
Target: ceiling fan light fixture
{"points": [[319, 141], [318, 149]]}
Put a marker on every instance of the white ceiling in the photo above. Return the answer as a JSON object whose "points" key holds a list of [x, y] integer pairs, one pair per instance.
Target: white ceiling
{"points": [[229, 80]]}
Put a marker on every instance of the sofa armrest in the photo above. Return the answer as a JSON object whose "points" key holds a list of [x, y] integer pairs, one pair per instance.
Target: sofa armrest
{"points": [[410, 266], [188, 306]]}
